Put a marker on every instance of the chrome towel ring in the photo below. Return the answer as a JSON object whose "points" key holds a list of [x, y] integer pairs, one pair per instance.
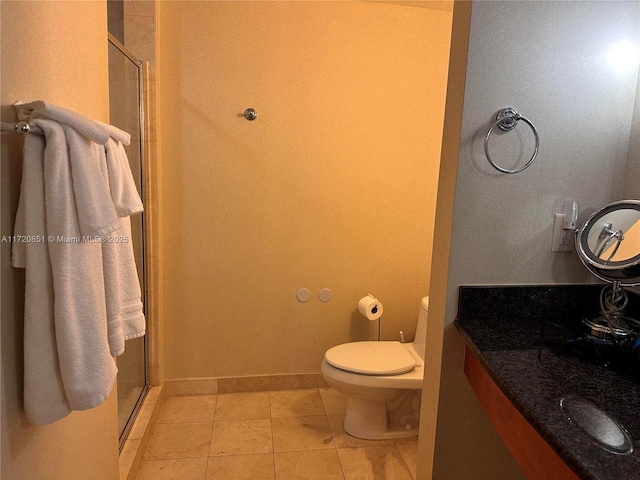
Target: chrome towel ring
{"points": [[507, 119]]}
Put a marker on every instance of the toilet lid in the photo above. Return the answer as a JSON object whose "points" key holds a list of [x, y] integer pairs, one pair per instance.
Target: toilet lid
{"points": [[371, 358]]}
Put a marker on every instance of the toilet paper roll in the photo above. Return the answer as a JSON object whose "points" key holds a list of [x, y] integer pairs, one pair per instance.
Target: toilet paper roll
{"points": [[370, 307]]}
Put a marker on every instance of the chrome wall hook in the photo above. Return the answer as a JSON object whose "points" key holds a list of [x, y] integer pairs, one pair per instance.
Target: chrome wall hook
{"points": [[250, 114]]}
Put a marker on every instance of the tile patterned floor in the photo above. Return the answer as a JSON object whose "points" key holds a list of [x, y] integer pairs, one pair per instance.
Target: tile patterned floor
{"points": [[277, 435]]}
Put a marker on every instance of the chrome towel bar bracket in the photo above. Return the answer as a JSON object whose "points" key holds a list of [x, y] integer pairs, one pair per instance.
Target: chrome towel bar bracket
{"points": [[506, 120], [21, 127]]}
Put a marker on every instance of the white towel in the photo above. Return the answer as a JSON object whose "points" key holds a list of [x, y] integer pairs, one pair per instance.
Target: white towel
{"points": [[115, 133], [82, 294], [96, 212], [125, 315], [91, 129], [44, 397], [88, 371], [18, 249], [124, 193]]}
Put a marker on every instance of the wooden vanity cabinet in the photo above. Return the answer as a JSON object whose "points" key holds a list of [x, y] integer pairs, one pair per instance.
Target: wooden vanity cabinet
{"points": [[534, 455]]}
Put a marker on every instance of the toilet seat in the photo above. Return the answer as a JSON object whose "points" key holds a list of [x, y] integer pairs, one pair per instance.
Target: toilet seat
{"points": [[371, 358]]}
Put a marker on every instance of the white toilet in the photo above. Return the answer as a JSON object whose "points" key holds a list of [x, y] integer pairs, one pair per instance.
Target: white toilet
{"points": [[383, 381]]}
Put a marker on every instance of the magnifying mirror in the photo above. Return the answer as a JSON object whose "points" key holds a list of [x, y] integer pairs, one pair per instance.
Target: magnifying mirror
{"points": [[608, 244]]}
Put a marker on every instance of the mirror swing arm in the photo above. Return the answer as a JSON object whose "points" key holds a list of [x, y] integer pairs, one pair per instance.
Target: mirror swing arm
{"points": [[607, 234]]}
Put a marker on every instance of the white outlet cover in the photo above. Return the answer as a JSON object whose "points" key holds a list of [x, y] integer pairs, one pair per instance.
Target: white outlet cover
{"points": [[562, 240]]}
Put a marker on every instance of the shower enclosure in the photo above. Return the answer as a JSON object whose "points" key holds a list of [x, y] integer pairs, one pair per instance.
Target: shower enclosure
{"points": [[126, 113]]}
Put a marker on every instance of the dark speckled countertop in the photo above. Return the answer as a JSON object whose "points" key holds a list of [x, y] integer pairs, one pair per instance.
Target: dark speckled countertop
{"points": [[502, 328]]}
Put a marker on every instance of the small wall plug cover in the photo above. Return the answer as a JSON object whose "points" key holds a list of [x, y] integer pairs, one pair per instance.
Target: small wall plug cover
{"points": [[324, 295], [303, 295]]}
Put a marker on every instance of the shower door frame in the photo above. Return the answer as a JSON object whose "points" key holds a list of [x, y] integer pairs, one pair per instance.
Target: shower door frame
{"points": [[141, 118]]}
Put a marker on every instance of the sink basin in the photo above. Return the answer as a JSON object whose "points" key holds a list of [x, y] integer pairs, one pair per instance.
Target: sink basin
{"points": [[604, 430]]}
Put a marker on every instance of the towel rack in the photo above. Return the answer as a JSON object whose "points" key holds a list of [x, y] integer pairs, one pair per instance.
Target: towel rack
{"points": [[507, 119], [20, 127]]}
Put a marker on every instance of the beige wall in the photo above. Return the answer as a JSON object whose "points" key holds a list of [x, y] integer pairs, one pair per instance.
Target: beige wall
{"points": [[332, 186], [67, 67], [583, 111]]}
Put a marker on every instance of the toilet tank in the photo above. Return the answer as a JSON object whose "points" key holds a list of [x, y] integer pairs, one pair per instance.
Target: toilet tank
{"points": [[421, 328]]}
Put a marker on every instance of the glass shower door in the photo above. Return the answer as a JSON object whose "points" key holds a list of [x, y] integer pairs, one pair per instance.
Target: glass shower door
{"points": [[126, 113]]}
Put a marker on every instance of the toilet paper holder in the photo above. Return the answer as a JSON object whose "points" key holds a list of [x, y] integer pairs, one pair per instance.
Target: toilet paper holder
{"points": [[371, 308]]}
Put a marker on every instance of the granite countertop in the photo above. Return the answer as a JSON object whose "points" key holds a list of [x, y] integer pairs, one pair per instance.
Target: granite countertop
{"points": [[502, 328]]}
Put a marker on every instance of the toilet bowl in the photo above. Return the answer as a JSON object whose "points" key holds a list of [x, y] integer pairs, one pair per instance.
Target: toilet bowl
{"points": [[383, 383]]}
